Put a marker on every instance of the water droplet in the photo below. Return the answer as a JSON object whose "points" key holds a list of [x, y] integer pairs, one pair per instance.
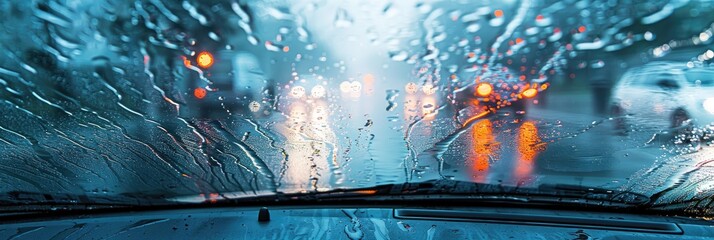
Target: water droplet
{"points": [[404, 226], [343, 19], [399, 56], [472, 28]]}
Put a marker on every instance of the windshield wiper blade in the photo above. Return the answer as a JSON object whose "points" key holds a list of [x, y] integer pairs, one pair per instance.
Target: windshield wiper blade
{"points": [[439, 190], [21, 201], [428, 191]]}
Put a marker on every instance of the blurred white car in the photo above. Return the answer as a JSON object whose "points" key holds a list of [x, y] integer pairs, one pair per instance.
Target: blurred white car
{"points": [[664, 95]]}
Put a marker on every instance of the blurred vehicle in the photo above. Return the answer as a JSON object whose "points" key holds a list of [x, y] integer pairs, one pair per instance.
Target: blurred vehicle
{"points": [[305, 100], [664, 96], [221, 82], [306, 87], [494, 89]]}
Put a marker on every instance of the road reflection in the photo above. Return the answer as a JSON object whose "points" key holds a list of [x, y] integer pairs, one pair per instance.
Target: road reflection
{"points": [[529, 145], [485, 148], [310, 146], [410, 107], [500, 154], [418, 106], [428, 109]]}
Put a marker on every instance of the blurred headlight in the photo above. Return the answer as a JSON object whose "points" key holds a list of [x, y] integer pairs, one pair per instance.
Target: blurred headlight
{"points": [[709, 105]]}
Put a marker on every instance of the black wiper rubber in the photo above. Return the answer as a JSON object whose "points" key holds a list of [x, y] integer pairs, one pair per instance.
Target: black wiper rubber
{"points": [[462, 191], [540, 220], [543, 193]]}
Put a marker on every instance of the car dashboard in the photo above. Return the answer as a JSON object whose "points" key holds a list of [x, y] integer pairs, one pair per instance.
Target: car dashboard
{"points": [[331, 222]]}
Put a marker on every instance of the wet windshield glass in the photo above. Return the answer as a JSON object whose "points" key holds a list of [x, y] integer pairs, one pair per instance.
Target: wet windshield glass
{"points": [[206, 98]]}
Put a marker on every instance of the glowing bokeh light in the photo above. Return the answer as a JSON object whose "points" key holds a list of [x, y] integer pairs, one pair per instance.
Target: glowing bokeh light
{"points": [[204, 60]]}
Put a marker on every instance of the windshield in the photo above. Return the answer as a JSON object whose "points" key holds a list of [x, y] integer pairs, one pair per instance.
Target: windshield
{"points": [[176, 99]]}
